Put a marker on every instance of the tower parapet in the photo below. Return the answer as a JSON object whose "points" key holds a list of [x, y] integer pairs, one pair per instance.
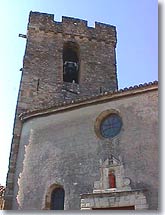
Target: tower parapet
{"points": [[72, 26]]}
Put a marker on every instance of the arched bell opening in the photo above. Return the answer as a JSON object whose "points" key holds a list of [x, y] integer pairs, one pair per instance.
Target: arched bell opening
{"points": [[71, 62]]}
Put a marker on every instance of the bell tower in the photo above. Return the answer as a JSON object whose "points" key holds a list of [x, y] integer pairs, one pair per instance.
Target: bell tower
{"points": [[67, 60], [63, 61]]}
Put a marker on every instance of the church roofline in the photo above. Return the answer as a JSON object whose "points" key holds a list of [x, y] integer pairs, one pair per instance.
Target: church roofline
{"points": [[94, 99]]}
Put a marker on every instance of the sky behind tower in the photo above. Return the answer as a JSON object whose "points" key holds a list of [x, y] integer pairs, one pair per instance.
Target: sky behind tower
{"points": [[137, 47]]}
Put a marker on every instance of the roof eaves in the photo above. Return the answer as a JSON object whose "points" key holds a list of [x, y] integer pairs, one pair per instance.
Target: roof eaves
{"points": [[103, 97]]}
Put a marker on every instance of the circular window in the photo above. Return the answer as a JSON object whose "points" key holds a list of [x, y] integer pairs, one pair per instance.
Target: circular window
{"points": [[111, 126], [108, 124]]}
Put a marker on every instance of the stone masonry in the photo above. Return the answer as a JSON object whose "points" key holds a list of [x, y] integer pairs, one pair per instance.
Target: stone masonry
{"points": [[42, 82], [121, 195], [42, 73], [134, 198], [63, 148], [54, 138]]}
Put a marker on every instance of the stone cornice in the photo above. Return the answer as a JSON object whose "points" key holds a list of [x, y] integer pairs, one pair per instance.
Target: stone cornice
{"points": [[115, 193]]}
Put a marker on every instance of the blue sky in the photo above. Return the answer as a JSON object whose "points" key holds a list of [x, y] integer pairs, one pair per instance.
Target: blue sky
{"points": [[137, 47]]}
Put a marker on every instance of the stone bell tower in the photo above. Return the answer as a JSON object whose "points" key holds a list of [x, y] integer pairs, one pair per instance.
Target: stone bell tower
{"points": [[67, 59], [63, 61]]}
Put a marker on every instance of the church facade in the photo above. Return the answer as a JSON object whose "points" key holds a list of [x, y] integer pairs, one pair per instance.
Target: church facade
{"points": [[78, 141]]}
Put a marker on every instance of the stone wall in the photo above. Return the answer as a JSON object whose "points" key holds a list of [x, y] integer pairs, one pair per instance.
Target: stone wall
{"points": [[2, 200], [136, 199], [42, 82], [42, 73], [64, 149]]}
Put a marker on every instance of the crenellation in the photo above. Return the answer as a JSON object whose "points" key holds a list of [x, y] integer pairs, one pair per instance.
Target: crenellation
{"points": [[71, 26], [74, 21], [39, 17]]}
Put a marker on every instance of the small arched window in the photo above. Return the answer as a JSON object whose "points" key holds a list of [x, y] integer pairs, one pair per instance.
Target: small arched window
{"points": [[71, 62], [57, 199], [112, 180]]}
